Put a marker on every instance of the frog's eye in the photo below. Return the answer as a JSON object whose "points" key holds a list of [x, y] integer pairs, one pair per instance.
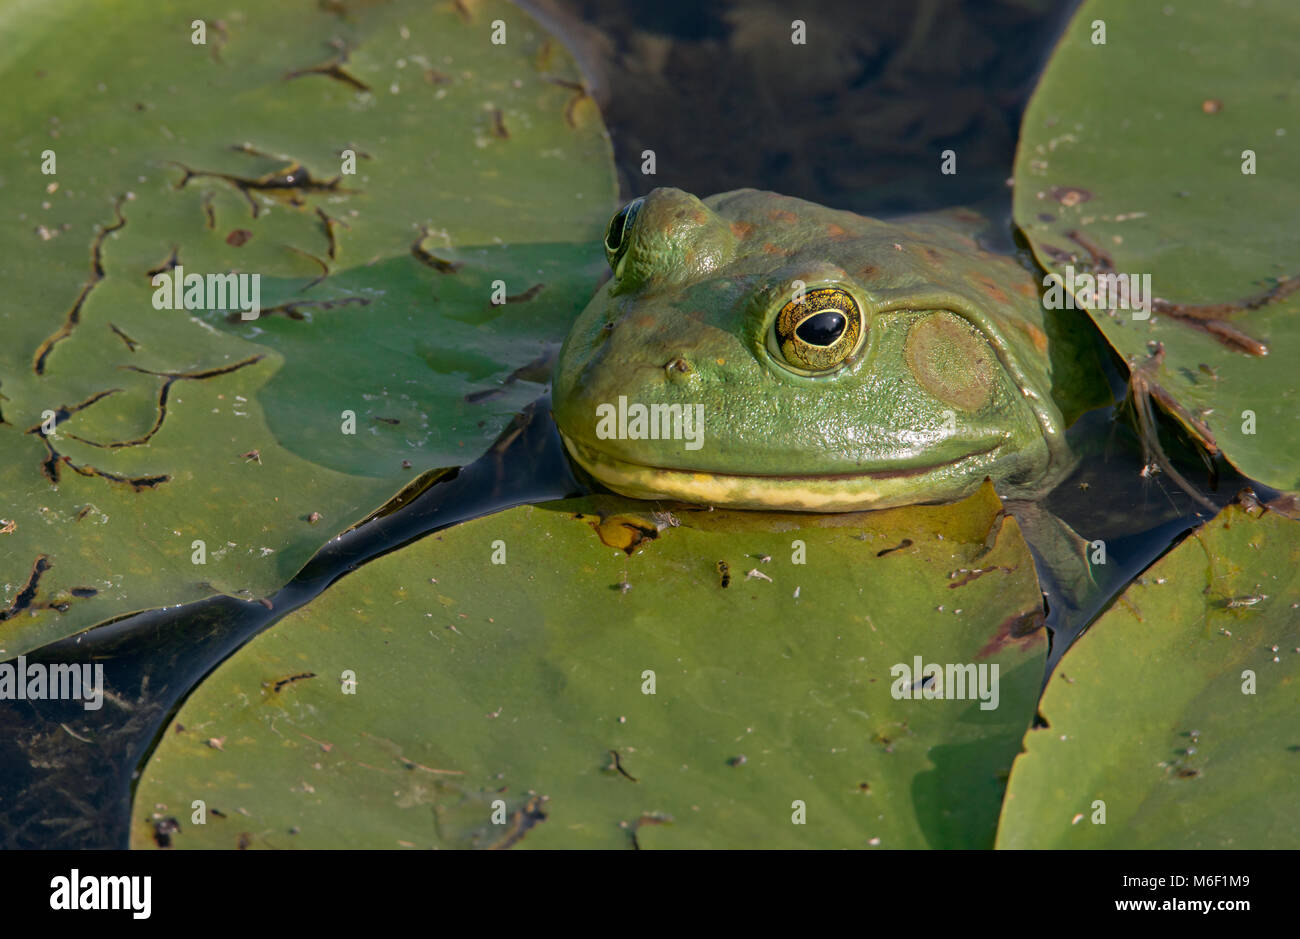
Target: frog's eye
{"points": [[618, 236], [819, 333]]}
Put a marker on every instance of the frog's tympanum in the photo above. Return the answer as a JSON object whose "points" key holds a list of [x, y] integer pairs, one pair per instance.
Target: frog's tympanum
{"points": [[758, 351]]}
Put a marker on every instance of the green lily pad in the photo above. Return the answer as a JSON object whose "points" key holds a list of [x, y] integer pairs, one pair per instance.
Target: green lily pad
{"points": [[1132, 161], [1175, 714], [482, 173], [525, 683]]}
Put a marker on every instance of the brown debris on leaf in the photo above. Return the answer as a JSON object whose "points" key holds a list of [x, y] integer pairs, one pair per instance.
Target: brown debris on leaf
{"points": [[1023, 630]]}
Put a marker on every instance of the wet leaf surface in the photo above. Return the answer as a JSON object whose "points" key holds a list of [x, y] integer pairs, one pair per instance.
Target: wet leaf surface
{"points": [[130, 433], [1131, 162], [524, 682], [1177, 709]]}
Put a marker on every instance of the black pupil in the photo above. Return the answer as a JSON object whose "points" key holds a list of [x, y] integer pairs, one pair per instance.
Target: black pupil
{"points": [[821, 329]]}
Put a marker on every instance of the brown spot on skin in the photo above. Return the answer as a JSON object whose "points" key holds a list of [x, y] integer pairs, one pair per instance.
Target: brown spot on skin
{"points": [[781, 215], [1023, 630], [1035, 335], [238, 237], [644, 321], [1211, 105], [1026, 289], [867, 270], [742, 230], [994, 291], [769, 248], [838, 233], [933, 255]]}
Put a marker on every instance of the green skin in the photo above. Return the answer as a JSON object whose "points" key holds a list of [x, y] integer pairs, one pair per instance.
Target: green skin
{"points": [[951, 382]]}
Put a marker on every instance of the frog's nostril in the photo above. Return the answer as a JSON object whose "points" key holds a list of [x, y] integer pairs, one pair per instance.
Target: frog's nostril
{"points": [[677, 366]]}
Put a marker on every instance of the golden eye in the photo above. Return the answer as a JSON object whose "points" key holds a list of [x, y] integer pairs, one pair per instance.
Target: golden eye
{"points": [[819, 333]]}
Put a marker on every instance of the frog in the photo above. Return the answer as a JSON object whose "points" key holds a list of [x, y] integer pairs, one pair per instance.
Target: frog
{"points": [[757, 351]]}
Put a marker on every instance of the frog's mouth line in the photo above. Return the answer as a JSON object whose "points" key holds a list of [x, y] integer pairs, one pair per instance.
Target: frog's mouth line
{"points": [[824, 492]]}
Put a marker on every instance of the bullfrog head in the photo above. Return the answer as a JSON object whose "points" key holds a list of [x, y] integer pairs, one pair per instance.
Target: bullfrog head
{"points": [[757, 351]]}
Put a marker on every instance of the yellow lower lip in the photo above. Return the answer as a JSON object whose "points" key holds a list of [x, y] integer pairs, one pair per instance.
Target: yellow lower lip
{"points": [[842, 493]]}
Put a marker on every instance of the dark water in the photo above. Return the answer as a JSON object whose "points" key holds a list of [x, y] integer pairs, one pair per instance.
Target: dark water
{"points": [[715, 92], [68, 772], [855, 118]]}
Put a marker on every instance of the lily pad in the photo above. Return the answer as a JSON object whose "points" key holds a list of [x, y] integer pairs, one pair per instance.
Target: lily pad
{"points": [[130, 433], [1175, 714], [525, 683], [1168, 151]]}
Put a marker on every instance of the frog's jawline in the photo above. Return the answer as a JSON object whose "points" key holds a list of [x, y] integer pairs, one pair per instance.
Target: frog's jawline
{"points": [[826, 492]]}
